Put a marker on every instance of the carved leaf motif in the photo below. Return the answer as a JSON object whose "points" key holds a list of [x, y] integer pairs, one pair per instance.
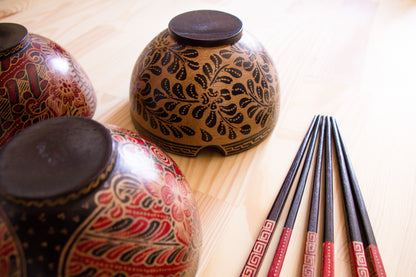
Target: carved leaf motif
{"points": [[161, 113], [187, 130], [239, 61], [193, 65], [190, 53], [158, 95], [231, 133], [225, 93], [155, 70], [236, 73], [237, 119], [252, 111], [256, 75], [211, 119], [259, 116], [174, 66], [170, 106], [156, 58], [178, 91], [226, 54], [183, 110], [166, 85], [166, 58], [244, 102], [229, 109], [207, 70], [221, 128], [248, 66], [181, 75], [191, 91], [147, 89], [246, 129], [216, 60], [202, 80], [205, 135], [148, 102], [239, 89], [250, 85], [175, 131], [264, 120], [174, 118], [153, 122], [164, 130], [259, 92], [224, 79], [198, 112]]}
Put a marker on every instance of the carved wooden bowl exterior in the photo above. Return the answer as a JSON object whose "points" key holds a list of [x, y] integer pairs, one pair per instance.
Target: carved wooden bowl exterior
{"points": [[190, 93], [38, 80], [93, 201]]}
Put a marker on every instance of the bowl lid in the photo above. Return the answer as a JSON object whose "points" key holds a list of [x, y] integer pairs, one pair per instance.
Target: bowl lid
{"points": [[206, 28], [54, 157], [11, 35]]}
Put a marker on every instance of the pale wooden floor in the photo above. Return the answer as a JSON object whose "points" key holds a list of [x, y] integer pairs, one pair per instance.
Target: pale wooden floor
{"points": [[353, 59]]}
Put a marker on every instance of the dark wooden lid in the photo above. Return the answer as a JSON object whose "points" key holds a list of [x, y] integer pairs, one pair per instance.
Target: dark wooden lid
{"points": [[54, 157], [11, 34], [206, 28]]}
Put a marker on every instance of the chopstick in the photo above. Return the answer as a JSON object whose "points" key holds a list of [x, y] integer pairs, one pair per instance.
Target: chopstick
{"points": [[256, 255], [311, 243], [376, 266], [357, 251], [328, 264], [280, 253]]}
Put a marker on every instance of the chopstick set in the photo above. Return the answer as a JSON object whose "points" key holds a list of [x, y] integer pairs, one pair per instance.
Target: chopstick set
{"points": [[365, 256]]}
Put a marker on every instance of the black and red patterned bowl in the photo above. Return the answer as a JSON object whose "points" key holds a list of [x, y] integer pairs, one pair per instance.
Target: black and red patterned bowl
{"points": [[81, 199], [204, 83], [38, 80]]}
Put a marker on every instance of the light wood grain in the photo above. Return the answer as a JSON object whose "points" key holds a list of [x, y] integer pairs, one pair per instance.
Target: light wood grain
{"points": [[352, 59]]}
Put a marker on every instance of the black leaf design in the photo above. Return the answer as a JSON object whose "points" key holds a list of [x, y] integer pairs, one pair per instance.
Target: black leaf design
{"points": [[145, 77], [264, 120], [244, 102], [221, 128], [198, 112], [155, 70], [207, 70], [166, 58], [252, 110], [211, 119], [178, 47], [158, 95], [237, 119], [181, 75], [259, 92], [161, 113], [202, 80], [229, 110], [170, 106], [225, 93], [187, 130], [190, 53], [224, 79], [138, 107], [145, 116], [178, 91], [226, 54], [156, 58], [239, 89], [266, 95], [216, 60], [191, 91], [259, 116], [236, 73], [265, 68], [166, 85], [164, 130], [174, 118], [269, 78], [174, 66], [250, 85], [248, 66], [205, 136], [246, 129], [193, 65], [264, 83], [153, 122], [147, 89], [231, 133], [148, 102], [175, 131], [239, 61], [184, 109], [256, 75]]}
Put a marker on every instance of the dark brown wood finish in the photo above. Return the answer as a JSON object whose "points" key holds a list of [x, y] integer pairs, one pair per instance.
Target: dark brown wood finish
{"points": [[11, 34], [206, 28]]}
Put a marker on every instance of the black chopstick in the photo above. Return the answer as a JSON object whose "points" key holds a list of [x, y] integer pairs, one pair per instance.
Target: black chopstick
{"points": [[256, 255], [281, 250]]}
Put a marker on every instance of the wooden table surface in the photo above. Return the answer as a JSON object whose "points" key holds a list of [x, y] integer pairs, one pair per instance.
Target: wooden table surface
{"points": [[352, 59]]}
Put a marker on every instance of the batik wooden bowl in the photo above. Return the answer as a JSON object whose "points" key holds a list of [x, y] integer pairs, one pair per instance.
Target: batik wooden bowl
{"points": [[38, 80], [81, 199], [203, 83]]}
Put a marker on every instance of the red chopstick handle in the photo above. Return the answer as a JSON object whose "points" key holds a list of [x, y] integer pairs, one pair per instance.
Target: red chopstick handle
{"points": [[358, 261], [328, 267], [256, 255], [375, 263], [309, 256], [280, 254]]}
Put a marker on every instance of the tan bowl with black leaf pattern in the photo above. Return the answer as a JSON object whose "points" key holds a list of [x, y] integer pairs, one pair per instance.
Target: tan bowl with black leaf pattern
{"points": [[204, 83]]}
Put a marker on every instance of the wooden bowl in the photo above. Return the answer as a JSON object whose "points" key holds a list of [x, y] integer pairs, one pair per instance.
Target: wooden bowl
{"points": [[38, 80], [204, 83], [81, 199]]}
